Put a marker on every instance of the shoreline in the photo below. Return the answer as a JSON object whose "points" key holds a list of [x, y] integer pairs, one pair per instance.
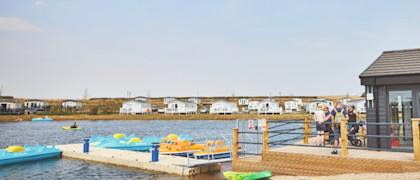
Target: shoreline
{"points": [[15, 118]]}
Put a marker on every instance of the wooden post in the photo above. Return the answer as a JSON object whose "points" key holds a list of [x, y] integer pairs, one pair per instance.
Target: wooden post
{"points": [[309, 126], [265, 141], [305, 130], [416, 140], [344, 141], [235, 143], [266, 138]]}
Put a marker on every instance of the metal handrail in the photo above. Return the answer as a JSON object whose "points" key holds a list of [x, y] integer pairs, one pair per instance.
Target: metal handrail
{"points": [[242, 132]]}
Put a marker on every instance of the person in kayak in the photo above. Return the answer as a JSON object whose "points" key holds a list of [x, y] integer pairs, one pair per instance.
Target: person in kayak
{"points": [[74, 125]]}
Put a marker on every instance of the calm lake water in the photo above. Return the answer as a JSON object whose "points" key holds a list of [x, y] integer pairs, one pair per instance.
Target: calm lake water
{"points": [[50, 133]]}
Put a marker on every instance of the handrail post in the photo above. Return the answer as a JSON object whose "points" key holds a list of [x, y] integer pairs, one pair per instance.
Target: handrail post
{"points": [[344, 142], [235, 143], [266, 137], [416, 140], [310, 126], [305, 130], [265, 141]]}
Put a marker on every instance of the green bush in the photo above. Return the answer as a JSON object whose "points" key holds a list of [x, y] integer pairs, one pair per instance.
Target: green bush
{"points": [[106, 110], [93, 111]]}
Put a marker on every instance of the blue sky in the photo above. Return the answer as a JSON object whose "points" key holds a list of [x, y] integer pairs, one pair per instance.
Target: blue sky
{"points": [[56, 49]]}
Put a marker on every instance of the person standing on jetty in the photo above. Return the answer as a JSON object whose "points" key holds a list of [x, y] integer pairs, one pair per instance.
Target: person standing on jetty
{"points": [[336, 114], [328, 127], [353, 114], [320, 126]]}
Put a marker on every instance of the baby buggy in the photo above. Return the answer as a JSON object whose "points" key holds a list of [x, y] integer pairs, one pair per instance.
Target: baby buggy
{"points": [[356, 141]]}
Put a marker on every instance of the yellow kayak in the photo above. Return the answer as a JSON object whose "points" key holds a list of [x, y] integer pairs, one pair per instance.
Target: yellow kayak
{"points": [[69, 128]]}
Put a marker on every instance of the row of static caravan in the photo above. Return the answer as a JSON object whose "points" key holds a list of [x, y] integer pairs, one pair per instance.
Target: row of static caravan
{"points": [[140, 106], [267, 106]]}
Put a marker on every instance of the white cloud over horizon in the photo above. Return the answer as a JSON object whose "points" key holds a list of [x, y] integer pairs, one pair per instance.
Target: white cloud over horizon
{"points": [[17, 24]]}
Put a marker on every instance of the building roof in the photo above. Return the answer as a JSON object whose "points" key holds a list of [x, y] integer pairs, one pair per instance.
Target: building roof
{"points": [[137, 101], [10, 101], [357, 100], [223, 101], [397, 62], [345, 99], [319, 100], [71, 100], [179, 101], [35, 100], [268, 101]]}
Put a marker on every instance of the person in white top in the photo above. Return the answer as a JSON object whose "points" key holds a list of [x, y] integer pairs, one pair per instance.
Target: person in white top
{"points": [[319, 117]]}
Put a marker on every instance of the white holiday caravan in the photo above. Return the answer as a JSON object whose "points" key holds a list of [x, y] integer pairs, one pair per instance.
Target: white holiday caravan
{"points": [[344, 101], [359, 105], [299, 101], [312, 106], [243, 102], [167, 100], [77, 105], [37, 104], [269, 107], [291, 105], [224, 107], [195, 100], [10, 107], [140, 98], [136, 107], [181, 107], [253, 105]]}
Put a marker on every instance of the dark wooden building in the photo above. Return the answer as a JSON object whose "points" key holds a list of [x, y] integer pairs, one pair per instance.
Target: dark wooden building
{"points": [[392, 84]]}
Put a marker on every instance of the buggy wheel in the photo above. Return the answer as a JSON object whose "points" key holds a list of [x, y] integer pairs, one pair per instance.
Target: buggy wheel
{"points": [[351, 141], [358, 142]]}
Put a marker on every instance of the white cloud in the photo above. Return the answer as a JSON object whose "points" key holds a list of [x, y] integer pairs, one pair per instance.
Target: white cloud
{"points": [[38, 3], [16, 24]]}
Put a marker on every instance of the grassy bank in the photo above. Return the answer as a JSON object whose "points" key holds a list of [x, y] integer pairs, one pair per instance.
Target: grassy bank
{"points": [[152, 117]]}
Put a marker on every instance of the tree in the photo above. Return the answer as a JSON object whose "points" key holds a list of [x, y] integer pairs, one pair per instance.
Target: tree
{"points": [[1, 90], [363, 94]]}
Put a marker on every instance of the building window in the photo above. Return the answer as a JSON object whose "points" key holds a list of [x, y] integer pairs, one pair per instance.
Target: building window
{"points": [[401, 111], [369, 97]]}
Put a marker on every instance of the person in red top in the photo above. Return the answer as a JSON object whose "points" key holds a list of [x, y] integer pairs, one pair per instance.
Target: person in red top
{"points": [[338, 109]]}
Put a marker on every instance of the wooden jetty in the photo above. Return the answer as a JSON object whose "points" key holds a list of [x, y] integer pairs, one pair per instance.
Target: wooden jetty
{"points": [[300, 160], [142, 160], [315, 161]]}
